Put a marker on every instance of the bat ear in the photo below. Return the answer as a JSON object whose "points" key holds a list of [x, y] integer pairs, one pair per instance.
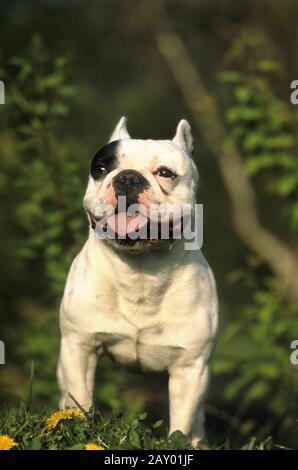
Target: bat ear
{"points": [[183, 137], [120, 131]]}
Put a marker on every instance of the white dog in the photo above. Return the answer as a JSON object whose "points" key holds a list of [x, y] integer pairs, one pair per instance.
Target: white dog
{"points": [[148, 301]]}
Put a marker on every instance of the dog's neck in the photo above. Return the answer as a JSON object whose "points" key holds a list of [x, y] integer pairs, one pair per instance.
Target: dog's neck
{"points": [[164, 258]]}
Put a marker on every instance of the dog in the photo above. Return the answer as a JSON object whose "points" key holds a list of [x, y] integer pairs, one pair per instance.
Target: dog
{"points": [[145, 301]]}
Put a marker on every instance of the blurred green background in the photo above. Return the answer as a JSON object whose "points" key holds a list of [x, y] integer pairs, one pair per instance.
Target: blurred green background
{"points": [[71, 70]]}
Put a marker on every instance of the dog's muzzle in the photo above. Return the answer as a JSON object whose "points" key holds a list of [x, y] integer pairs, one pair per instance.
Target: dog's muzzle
{"points": [[130, 183]]}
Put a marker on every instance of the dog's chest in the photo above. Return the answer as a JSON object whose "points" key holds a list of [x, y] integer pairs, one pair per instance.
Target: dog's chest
{"points": [[148, 348], [138, 318], [146, 335]]}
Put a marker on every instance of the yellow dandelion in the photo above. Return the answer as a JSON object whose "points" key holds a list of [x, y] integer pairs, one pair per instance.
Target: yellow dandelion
{"points": [[62, 415], [92, 446], [6, 442]]}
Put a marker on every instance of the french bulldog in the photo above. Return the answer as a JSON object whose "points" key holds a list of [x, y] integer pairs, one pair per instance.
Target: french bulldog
{"points": [[146, 301]]}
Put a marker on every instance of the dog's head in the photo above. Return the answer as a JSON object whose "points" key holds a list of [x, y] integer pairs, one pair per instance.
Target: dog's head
{"points": [[136, 184]]}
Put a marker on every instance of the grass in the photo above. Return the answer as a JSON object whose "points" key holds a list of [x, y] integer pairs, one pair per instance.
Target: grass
{"points": [[32, 432]]}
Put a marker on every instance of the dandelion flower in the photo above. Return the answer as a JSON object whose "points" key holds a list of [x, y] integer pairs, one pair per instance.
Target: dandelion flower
{"points": [[92, 446], [62, 415], [6, 442]]}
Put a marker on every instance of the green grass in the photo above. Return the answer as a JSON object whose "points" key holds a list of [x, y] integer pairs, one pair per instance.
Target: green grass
{"points": [[117, 432]]}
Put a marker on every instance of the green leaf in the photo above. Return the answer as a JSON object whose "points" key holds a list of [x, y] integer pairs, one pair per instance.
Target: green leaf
{"points": [[268, 65], [59, 109], [134, 438], [253, 140], [230, 76], [179, 439], [254, 165], [287, 184], [281, 141], [158, 424], [243, 113], [257, 390], [53, 80], [35, 444], [243, 93], [40, 108], [77, 447]]}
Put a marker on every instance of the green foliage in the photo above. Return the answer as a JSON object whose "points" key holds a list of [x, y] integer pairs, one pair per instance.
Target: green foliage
{"points": [[31, 432], [260, 123], [117, 433], [48, 215], [42, 218], [254, 348]]}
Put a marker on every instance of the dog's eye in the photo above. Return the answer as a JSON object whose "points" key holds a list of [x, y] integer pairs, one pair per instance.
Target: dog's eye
{"points": [[166, 173], [100, 169]]}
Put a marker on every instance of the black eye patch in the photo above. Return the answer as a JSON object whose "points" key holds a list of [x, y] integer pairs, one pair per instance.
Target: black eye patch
{"points": [[104, 160]]}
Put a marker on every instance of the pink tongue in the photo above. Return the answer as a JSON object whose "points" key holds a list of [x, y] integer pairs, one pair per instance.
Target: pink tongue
{"points": [[123, 223]]}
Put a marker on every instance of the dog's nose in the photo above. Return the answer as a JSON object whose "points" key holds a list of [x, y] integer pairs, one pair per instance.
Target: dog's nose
{"points": [[128, 181]]}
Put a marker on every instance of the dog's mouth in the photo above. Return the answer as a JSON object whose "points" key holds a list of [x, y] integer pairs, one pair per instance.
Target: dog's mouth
{"points": [[130, 229]]}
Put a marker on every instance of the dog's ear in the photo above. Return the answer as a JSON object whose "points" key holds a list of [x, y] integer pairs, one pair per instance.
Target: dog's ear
{"points": [[183, 136], [120, 131]]}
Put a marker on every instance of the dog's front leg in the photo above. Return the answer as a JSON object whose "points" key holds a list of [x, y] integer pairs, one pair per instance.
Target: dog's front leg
{"points": [[75, 358], [91, 367], [187, 389]]}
